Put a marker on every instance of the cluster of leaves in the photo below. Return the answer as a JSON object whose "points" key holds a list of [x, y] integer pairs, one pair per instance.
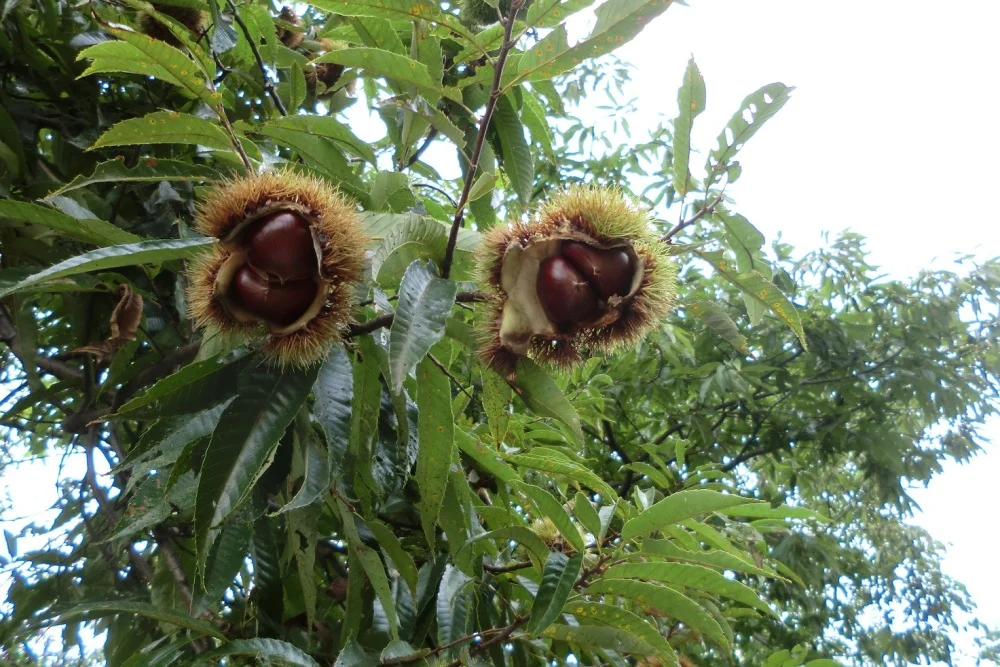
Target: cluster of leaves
{"points": [[402, 503]]}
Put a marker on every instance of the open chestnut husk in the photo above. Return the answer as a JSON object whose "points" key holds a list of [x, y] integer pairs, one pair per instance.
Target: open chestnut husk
{"points": [[290, 253], [586, 274]]}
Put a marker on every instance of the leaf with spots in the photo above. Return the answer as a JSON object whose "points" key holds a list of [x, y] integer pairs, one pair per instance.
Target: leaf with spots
{"points": [[436, 430], [624, 621], [165, 127], [597, 636], [135, 53], [679, 506], [690, 576], [690, 103], [760, 289], [618, 21], [667, 601]]}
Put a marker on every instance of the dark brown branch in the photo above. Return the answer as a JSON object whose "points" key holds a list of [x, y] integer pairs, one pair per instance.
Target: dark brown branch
{"points": [[268, 84], [496, 639], [484, 123]]}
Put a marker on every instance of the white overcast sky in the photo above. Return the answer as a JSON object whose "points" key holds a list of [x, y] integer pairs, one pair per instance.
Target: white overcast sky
{"points": [[891, 132]]}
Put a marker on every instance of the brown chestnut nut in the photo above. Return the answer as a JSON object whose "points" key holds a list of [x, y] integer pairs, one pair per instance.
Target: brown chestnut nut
{"points": [[272, 301], [564, 293], [609, 271], [281, 245]]}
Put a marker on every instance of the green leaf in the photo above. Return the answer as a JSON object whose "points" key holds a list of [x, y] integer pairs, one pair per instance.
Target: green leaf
{"points": [[436, 428], [148, 170], [453, 605], [165, 127], [535, 118], [496, 398], [112, 257], [378, 33], [571, 469], [406, 10], [224, 562], [755, 110], [372, 565], [191, 389], [262, 649], [316, 478], [135, 53], [547, 505], [484, 457], [761, 290], [537, 550], [596, 636], [544, 397], [243, 442], [393, 66], [112, 607], [354, 656], [334, 391], [678, 506], [95, 232], [514, 150], [717, 319], [765, 511], [666, 601], [425, 301], [625, 621], [692, 576], [558, 576], [586, 514], [394, 549], [690, 103], [618, 21], [550, 13], [714, 558], [325, 126]]}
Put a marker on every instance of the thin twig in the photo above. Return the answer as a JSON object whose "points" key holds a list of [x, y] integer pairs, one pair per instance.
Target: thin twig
{"points": [[451, 376], [451, 200], [500, 637], [484, 123], [268, 84], [428, 140], [705, 210]]}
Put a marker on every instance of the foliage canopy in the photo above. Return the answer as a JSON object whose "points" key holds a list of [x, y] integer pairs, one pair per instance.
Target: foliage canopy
{"points": [[731, 491]]}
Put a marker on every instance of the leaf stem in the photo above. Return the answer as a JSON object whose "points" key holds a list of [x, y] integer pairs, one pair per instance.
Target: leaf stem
{"points": [[268, 84], [484, 123]]}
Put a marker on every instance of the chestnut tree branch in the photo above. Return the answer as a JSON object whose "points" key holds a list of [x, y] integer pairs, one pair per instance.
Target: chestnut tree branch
{"points": [[268, 84], [705, 210], [484, 123]]}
